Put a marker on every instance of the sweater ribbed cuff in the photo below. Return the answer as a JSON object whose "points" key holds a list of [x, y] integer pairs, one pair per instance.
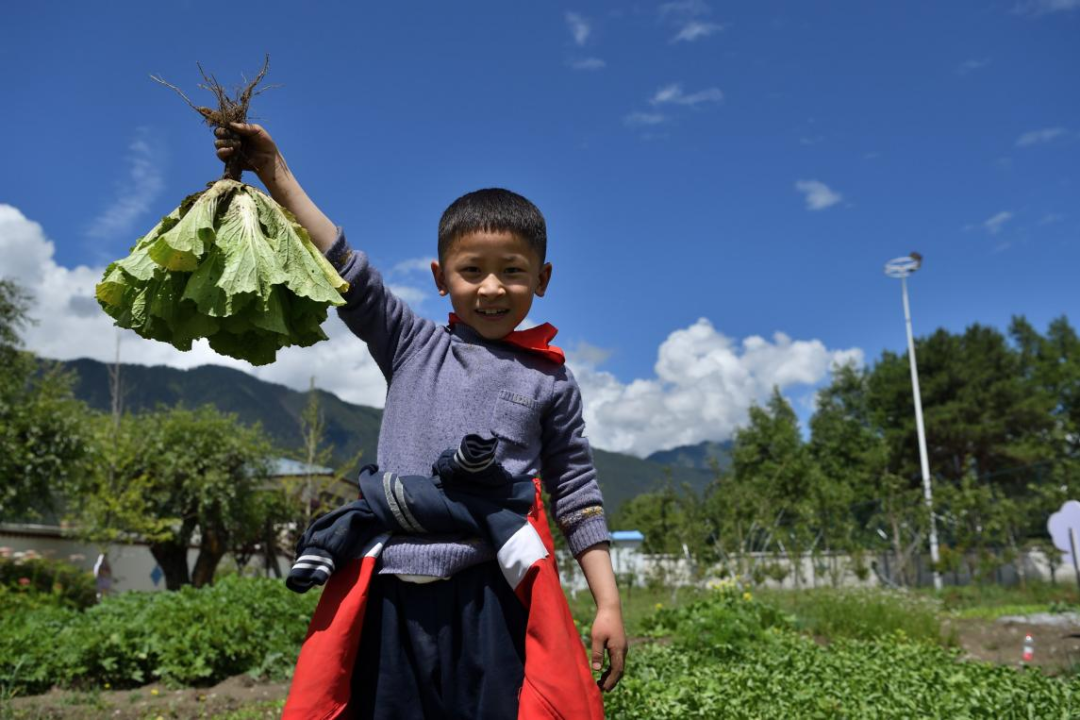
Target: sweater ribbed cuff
{"points": [[590, 531], [339, 253]]}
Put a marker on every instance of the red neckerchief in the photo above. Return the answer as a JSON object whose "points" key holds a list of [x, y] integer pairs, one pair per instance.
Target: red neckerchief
{"points": [[534, 340]]}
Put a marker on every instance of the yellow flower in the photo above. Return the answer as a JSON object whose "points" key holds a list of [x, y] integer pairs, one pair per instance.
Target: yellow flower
{"points": [[107, 686], [747, 597], [154, 691], [659, 605]]}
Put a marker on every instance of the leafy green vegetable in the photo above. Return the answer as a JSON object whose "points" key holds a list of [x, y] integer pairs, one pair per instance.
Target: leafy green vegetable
{"points": [[231, 265]]}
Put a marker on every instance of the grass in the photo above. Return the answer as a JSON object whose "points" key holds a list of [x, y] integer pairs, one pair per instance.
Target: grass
{"points": [[993, 612], [828, 613], [637, 604], [862, 614], [1042, 594]]}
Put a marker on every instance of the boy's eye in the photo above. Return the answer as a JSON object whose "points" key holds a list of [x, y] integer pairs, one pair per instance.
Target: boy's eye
{"points": [[512, 270]]}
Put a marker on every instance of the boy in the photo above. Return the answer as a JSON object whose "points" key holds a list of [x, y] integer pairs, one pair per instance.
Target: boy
{"points": [[443, 634]]}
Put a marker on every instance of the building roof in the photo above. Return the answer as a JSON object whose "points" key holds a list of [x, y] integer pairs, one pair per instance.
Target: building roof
{"points": [[284, 467], [627, 536]]}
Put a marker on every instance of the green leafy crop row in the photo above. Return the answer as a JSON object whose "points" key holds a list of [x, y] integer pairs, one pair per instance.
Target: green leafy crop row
{"points": [[190, 637], [792, 677], [731, 656]]}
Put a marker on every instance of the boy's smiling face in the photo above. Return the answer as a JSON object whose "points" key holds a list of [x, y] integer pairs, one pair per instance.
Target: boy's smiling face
{"points": [[491, 278]]}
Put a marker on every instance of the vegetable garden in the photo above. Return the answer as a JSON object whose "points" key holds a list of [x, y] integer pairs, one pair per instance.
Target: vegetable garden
{"points": [[725, 652]]}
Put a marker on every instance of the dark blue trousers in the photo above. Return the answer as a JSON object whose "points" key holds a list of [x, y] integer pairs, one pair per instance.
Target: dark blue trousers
{"points": [[448, 649]]}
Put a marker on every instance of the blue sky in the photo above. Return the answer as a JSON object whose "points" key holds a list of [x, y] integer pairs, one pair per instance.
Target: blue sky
{"points": [[753, 164]]}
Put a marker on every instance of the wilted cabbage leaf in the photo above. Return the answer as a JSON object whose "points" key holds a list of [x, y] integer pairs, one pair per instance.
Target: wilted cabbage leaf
{"points": [[230, 265]]}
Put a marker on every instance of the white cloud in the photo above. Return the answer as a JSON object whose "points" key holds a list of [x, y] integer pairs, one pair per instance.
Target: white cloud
{"points": [[136, 193], [71, 325], [683, 9], [994, 224], [1051, 218], [589, 63], [1043, 7], [585, 354], [695, 30], [413, 296], [969, 66], [818, 195], [673, 94], [703, 388], [1036, 137], [413, 265], [687, 15], [579, 28], [644, 119]]}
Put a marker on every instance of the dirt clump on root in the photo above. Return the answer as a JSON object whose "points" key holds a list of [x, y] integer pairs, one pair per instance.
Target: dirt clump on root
{"points": [[230, 108]]}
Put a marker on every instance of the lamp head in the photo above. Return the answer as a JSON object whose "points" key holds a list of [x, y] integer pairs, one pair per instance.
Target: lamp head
{"points": [[901, 267]]}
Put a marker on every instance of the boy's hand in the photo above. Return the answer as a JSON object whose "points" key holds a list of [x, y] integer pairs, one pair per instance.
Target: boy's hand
{"points": [[608, 632], [258, 151]]}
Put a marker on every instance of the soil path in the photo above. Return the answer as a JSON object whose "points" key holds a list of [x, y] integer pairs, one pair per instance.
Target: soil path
{"points": [[1002, 642], [151, 702]]}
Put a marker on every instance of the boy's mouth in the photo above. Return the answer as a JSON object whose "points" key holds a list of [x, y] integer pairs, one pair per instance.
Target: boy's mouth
{"points": [[492, 312]]}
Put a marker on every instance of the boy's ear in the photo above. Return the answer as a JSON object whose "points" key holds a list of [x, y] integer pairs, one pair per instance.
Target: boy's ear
{"points": [[440, 279], [545, 278]]}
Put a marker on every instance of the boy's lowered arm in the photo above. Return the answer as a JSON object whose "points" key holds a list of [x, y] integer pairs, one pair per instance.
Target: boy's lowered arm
{"points": [[262, 156], [570, 477]]}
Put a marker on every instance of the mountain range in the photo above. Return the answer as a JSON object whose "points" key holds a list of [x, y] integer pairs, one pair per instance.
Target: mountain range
{"points": [[350, 428]]}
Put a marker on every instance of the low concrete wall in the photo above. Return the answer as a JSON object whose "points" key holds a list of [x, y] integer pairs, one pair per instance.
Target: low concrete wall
{"points": [[825, 570], [132, 564]]}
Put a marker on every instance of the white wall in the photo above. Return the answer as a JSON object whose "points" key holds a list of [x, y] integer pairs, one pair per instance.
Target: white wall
{"points": [[132, 564]]}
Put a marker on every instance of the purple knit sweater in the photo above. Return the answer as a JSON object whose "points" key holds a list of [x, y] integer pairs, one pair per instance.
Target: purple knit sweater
{"points": [[446, 383]]}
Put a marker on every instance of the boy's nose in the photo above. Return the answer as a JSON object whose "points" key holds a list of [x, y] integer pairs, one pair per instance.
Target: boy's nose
{"points": [[491, 287]]}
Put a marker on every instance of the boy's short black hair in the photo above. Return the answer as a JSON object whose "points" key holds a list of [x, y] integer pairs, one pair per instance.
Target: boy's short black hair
{"points": [[493, 210]]}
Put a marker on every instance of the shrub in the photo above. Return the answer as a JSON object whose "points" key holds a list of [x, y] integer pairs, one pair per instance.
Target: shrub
{"points": [[189, 637], [726, 622]]}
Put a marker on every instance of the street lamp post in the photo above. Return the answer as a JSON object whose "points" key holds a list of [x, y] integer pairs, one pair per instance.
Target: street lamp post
{"points": [[901, 268]]}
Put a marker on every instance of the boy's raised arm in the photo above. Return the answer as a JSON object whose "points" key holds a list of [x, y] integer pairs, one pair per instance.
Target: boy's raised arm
{"points": [[262, 156], [372, 312]]}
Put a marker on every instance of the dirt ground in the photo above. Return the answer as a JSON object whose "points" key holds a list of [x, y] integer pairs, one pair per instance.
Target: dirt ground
{"points": [[1002, 642], [151, 702], [987, 640]]}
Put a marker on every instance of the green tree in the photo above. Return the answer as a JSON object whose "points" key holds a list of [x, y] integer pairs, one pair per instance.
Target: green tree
{"points": [[45, 439], [658, 516], [771, 461], [979, 411], [1050, 366], [987, 426], [174, 477], [851, 457]]}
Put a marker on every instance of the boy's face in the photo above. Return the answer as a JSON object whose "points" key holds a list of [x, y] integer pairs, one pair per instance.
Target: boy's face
{"points": [[491, 278]]}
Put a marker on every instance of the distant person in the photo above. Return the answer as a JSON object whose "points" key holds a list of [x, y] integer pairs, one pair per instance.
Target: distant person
{"points": [[426, 624], [103, 577]]}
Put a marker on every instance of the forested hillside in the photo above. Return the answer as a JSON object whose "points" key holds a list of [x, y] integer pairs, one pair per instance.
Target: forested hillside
{"points": [[349, 427]]}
